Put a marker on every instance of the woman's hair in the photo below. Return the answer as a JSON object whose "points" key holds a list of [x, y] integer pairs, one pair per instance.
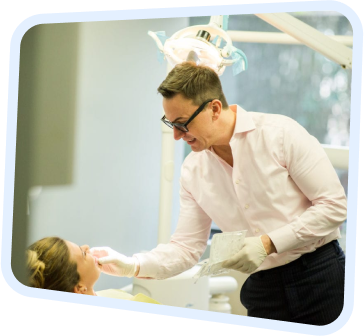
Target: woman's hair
{"points": [[195, 82], [50, 266]]}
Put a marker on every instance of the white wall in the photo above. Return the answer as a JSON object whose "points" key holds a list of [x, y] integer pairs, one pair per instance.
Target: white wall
{"points": [[114, 198]]}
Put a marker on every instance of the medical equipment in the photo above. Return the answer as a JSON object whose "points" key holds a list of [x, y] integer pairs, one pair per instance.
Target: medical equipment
{"points": [[182, 291], [209, 45], [178, 291], [334, 50]]}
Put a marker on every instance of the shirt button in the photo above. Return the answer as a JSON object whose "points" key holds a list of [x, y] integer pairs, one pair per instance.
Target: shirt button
{"points": [[246, 206], [256, 230], [237, 181]]}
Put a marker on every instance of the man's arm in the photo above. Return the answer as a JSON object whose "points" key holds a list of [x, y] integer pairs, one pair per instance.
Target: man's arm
{"points": [[313, 173], [268, 245]]}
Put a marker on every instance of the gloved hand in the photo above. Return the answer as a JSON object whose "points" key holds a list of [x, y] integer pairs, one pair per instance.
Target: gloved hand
{"points": [[249, 258], [114, 263]]}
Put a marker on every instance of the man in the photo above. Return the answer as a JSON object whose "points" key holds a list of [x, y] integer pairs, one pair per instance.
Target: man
{"points": [[257, 172]]}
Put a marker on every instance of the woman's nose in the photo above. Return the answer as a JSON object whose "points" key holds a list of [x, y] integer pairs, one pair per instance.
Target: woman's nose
{"points": [[177, 134], [86, 248]]}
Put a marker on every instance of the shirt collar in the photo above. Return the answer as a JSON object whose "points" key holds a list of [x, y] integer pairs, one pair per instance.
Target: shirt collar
{"points": [[244, 122]]}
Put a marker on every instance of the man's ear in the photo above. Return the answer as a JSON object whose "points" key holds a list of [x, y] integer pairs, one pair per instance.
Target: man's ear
{"points": [[80, 289], [216, 109]]}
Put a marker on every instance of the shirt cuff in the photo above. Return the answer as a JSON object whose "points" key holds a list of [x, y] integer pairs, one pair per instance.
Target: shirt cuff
{"points": [[284, 239], [146, 269]]}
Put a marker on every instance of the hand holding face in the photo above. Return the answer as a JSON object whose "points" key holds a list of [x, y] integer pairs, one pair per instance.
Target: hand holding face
{"points": [[114, 263]]}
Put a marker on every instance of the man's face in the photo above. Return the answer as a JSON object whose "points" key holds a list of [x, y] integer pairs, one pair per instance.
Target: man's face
{"points": [[199, 135]]}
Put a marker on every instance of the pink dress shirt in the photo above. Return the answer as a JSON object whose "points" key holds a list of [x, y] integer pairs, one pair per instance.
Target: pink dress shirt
{"points": [[282, 184]]}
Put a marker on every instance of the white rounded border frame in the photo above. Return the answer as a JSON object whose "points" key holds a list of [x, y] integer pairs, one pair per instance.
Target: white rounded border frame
{"points": [[159, 13]]}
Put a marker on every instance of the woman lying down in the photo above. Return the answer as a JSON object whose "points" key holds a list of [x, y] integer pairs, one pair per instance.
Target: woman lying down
{"points": [[57, 264]]}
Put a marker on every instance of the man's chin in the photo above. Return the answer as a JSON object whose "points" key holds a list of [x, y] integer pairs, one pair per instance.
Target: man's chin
{"points": [[196, 149], [196, 146]]}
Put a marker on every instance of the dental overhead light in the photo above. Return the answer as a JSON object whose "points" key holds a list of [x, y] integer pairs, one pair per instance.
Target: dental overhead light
{"points": [[208, 45]]}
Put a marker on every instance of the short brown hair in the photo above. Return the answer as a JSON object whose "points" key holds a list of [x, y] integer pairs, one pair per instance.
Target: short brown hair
{"points": [[50, 267], [195, 82]]}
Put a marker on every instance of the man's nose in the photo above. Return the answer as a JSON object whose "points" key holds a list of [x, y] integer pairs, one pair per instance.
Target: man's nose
{"points": [[177, 134]]}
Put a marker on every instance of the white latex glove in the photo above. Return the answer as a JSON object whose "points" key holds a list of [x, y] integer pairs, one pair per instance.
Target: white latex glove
{"points": [[249, 258], [114, 263]]}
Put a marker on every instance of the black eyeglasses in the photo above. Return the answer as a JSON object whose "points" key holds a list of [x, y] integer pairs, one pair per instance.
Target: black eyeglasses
{"points": [[183, 127]]}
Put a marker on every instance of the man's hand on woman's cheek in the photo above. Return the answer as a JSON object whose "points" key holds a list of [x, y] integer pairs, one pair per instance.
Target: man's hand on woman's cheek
{"points": [[114, 263]]}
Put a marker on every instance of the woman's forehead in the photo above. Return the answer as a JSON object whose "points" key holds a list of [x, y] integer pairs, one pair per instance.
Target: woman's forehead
{"points": [[74, 249]]}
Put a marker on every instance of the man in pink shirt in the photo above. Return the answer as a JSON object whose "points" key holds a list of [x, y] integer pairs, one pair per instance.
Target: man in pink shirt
{"points": [[257, 172]]}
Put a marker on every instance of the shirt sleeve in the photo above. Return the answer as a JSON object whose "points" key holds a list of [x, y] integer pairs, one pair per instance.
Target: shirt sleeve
{"points": [[186, 245], [313, 173]]}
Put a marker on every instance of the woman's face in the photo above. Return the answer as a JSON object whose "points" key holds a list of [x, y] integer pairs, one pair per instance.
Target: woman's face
{"points": [[87, 265]]}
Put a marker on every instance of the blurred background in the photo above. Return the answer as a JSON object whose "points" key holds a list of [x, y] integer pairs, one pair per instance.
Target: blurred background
{"points": [[89, 133]]}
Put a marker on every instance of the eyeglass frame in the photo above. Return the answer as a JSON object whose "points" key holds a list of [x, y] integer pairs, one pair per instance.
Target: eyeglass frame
{"points": [[193, 116]]}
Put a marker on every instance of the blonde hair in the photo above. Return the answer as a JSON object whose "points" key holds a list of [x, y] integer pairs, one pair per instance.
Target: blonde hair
{"points": [[50, 267], [195, 82]]}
